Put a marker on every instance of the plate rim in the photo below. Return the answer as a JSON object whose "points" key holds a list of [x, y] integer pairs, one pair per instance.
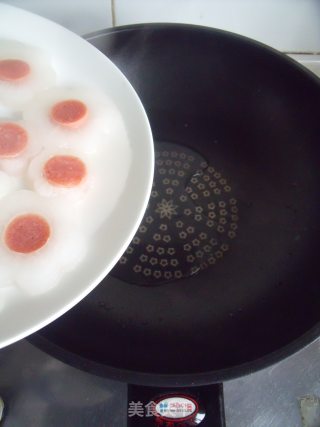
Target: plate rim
{"points": [[136, 217]]}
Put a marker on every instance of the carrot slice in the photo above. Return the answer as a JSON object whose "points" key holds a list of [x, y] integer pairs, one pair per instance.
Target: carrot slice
{"points": [[27, 233]]}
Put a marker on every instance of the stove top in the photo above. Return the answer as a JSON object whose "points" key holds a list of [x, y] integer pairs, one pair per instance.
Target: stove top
{"points": [[40, 391]]}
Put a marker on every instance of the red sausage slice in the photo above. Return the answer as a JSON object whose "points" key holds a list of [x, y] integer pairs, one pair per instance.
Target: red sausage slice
{"points": [[27, 233], [70, 113], [64, 171], [13, 70], [13, 140]]}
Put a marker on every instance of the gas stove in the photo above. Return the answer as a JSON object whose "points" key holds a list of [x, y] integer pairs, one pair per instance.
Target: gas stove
{"points": [[40, 391]]}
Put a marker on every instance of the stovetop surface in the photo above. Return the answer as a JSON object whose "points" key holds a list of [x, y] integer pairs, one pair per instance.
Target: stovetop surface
{"points": [[40, 391]]}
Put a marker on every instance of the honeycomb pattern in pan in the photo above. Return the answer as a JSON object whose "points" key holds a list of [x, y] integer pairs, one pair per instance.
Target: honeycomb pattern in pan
{"points": [[190, 222]]}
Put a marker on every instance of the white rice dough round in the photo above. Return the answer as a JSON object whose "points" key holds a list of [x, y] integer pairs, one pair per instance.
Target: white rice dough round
{"points": [[39, 271], [99, 126], [15, 94], [17, 164], [39, 183]]}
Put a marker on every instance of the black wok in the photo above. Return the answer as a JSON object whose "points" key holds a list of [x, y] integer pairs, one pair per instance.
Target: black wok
{"points": [[247, 117]]}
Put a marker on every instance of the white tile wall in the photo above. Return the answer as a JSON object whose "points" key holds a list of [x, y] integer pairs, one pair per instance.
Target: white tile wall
{"points": [[80, 16], [312, 62], [288, 25]]}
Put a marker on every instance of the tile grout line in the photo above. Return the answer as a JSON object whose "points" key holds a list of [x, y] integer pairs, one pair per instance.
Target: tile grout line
{"points": [[301, 53], [113, 13]]}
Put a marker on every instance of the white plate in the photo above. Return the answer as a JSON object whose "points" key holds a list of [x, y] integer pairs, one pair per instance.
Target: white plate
{"points": [[72, 56]]}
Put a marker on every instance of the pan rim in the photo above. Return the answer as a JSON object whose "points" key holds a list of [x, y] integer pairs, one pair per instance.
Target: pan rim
{"points": [[203, 28], [176, 380]]}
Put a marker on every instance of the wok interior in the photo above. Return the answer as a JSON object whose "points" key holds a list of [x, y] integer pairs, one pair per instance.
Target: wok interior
{"points": [[254, 116]]}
